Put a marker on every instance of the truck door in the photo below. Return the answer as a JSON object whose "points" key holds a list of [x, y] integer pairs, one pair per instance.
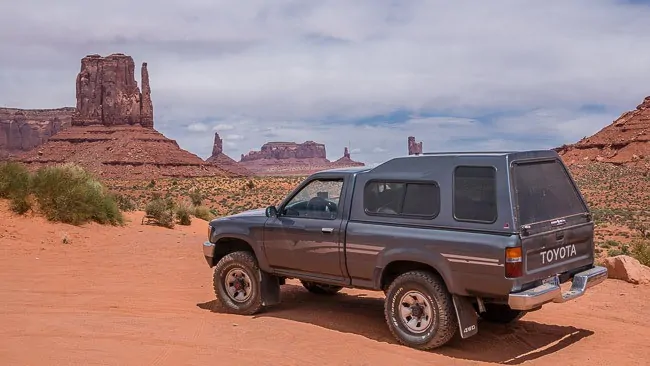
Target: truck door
{"points": [[305, 239]]}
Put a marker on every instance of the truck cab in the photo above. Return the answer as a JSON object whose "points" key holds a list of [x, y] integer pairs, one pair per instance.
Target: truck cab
{"points": [[448, 237]]}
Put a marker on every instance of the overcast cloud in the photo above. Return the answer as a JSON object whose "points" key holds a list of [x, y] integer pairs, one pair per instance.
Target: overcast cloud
{"points": [[458, 75]]}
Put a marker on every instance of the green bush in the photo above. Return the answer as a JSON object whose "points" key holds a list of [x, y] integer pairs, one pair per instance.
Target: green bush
{"points": [[15, 182], [183, 214], [162, 211], [196, 197], [641, 251], [67, 193], [125, 203], [203, 213]]}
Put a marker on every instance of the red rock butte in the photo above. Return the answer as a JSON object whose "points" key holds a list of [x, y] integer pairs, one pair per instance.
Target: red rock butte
{"points": [[111, 131], [224, 161], [24, 129], [626, 141], [414, 148], [290, 158]]}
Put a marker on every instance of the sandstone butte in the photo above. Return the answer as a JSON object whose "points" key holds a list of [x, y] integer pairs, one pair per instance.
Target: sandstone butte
{"points": [[290, 158], [626, 141], [414, 148], [112, 131], [224, 161]]}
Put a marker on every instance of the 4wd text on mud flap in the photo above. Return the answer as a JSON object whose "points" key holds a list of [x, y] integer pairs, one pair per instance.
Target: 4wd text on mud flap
{"points": [[552, 255]]}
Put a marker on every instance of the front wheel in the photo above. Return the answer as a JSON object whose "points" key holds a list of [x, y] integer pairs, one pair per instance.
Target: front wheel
{"points": [[419, 310], [501, 314], [236, 284], [320, 288]]}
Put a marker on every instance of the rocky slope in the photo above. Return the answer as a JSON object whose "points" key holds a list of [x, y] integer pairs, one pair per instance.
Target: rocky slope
{"points": [[112, 131], [290, 158], [24, 129], [626, 141]]}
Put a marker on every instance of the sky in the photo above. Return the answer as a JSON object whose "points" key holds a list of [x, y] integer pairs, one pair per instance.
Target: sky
{"points": [[457, 75]]}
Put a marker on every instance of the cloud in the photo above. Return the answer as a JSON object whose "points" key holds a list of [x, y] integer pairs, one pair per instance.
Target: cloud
{"points": [[516, 74], [197, 127]]}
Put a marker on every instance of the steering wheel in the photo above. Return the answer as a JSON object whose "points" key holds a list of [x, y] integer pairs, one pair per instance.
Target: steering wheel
{"points": [[321, 204]]}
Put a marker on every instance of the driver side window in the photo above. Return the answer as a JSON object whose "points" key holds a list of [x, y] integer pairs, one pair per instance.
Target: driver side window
{"points": [[319, 199]]}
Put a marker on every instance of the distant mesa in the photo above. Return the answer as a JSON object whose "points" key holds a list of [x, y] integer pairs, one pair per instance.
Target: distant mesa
{"points": [[414, 148], [111, 130], [291, 158], [626, 141]]}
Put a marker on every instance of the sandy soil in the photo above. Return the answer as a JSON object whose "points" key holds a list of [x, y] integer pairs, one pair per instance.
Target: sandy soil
{"points": [[141, 295]]}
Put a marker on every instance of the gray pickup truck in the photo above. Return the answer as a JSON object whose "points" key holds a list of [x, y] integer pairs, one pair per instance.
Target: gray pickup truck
{"points": [[448, 237]]}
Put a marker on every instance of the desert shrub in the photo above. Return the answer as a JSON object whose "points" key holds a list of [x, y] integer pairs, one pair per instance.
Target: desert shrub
{"points": [[183, 214], [203, 213], [69, 194], [14, 180], [162, 211], [196, 197], [15, 183], [125, 203], [641, 251]]}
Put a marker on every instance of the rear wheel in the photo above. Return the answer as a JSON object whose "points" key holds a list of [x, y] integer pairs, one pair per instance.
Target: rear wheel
{"points": [[419, 310], [320, 288], [501, 314], [236, 284]]}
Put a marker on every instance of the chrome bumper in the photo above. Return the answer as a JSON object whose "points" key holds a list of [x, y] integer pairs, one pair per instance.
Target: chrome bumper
{"points": [[208, 252], [551, 291]]}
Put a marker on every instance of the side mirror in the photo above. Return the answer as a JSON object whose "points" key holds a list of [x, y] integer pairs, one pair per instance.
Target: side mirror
{"points": [[271, 211]]}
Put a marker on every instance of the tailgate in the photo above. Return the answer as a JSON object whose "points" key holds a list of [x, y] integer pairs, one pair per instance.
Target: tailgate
{"points": [[557, 234], [556, 251]]}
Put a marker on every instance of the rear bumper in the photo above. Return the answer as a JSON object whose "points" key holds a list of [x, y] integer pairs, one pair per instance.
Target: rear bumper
{"points": [[208, 252], [551, 291]]}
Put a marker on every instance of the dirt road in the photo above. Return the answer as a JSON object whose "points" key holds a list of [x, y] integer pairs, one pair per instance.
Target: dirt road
{"points": [[142, 296]]}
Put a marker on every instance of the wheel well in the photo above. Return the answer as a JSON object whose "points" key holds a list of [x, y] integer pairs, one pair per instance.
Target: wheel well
{"points": [[228, 245], [394, 269]]}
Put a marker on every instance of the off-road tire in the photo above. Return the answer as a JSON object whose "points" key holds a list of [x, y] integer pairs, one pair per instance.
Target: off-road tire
{"points": [[320, 288], [445, 324], [246, 262], [501, 314]]}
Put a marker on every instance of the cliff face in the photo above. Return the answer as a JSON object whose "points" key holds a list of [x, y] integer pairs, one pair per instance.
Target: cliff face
{"points": [[626, 141], [107, 93], [24, 129]]}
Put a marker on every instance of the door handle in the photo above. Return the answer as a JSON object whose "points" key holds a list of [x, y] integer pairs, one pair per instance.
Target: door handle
{"points": [[327, 230]]}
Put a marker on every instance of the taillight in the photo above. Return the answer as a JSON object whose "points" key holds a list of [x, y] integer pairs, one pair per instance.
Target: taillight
{"points": [[514, 262]]}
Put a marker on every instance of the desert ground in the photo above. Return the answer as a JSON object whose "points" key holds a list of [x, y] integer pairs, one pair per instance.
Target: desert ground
{"points": [[141, 295]]}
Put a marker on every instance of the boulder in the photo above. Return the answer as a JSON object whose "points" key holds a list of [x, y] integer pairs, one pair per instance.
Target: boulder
{"points": [[626, 268]]}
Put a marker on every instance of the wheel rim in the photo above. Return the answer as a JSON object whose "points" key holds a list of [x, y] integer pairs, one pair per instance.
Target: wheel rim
{"points": [[416, 311], [238, 285]]}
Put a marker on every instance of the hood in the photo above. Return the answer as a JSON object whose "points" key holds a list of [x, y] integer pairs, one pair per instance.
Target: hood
{"points": [[255, 212]]}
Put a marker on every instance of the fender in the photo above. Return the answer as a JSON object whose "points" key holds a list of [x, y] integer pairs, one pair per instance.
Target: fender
{"points": [[224, 230], [430, 258]]}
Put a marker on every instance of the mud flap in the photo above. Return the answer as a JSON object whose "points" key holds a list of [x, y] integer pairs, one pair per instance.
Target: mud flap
{"points": [[467, 317], [270, 289]]}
